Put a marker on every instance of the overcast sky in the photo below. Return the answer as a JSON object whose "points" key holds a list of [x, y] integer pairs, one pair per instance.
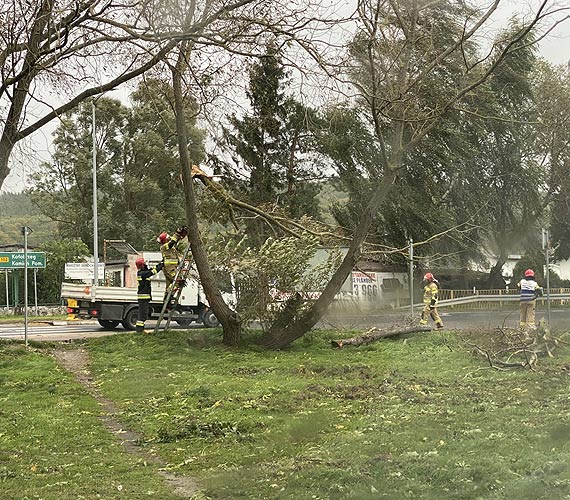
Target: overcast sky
{"points": [[555, 48]]}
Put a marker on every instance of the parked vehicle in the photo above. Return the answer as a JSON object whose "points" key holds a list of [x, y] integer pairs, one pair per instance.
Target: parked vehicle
{"points": [[114, 305]]}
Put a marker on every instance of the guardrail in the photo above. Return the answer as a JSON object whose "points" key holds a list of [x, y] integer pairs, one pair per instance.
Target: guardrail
{"points": [[486, 298]]}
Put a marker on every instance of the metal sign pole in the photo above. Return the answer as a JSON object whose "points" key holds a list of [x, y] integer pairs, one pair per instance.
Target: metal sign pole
{"points": [[25, 230], [412, 276], [36, 290], [7, 292]]}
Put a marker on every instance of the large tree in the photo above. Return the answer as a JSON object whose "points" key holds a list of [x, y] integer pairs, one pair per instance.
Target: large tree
{"points": [[273, 146], [405, 85], [552, 93], [509, 179]]}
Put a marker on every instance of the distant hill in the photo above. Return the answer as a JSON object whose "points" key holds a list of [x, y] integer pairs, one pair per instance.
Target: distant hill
{"points": [[16, 211]]}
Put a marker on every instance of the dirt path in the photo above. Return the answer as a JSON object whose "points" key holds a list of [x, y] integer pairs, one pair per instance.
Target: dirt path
{"points": [[76, 361]]}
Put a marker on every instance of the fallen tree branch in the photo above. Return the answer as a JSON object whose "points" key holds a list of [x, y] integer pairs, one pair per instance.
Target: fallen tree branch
{"points": [[519, 348], [374, 334]]}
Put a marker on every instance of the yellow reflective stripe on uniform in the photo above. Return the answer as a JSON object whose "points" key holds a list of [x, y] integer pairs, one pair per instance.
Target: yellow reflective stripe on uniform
{"points": [[143, 297], [170, 262]]}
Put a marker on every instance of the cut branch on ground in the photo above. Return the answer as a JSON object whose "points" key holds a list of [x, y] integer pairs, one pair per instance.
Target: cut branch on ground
{"points": [[374, 334]]}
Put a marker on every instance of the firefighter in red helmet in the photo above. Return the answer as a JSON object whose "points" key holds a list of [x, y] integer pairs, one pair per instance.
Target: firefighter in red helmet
{"points": [[144, 290], [430, 301], [530, 290], [171, 254]]}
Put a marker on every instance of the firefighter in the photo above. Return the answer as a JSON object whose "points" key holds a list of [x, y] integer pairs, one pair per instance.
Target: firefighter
{"points": [[430, 302], [530, 290], [169, 248], [144, 290]]}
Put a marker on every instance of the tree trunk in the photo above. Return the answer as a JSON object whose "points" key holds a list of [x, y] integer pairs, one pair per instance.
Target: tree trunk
{"points": [[374, 334], [6, 147], [495, 279], [229, 319], [288, 328]]}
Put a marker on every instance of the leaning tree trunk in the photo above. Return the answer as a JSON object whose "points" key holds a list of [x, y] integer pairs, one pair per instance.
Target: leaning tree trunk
{"points": [[288, 327], [229, 319], [495, 279], [6, 147]]}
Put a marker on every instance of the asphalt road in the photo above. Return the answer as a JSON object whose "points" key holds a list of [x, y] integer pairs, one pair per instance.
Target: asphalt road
{"points": [[62, 330], [68, 330], [489, 319]]}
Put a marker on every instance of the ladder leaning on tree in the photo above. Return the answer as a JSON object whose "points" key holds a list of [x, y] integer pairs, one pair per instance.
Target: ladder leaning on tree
{"points": [[173, 295]]}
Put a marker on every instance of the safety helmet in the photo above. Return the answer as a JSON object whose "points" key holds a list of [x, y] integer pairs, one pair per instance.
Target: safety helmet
{"points": [[529, 273], [140, 263], [162, 237], [428, 277]]}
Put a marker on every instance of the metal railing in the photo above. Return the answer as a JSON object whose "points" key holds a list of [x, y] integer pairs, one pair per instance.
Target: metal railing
{"points": [[487, 299]]}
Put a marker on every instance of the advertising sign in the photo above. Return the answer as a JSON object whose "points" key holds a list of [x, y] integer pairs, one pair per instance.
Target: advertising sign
{"points": [[83, 271]]}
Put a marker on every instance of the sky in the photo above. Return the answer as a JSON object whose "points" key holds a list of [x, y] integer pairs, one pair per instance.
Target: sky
{"points": [[555, 48]]}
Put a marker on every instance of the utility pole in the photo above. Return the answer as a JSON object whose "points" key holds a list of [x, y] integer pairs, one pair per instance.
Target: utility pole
{"points": [[546, 248]]}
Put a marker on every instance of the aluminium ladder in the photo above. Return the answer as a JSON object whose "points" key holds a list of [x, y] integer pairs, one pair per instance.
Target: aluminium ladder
{"points": [[182, 270]]}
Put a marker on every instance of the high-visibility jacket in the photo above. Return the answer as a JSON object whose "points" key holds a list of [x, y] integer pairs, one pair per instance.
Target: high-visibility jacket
{"points": [[143, 279], [529, 289], [170, 253], [430, 294]]}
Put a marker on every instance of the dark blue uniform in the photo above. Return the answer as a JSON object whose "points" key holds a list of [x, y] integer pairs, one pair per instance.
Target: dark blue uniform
{"points": [[144, 293]]}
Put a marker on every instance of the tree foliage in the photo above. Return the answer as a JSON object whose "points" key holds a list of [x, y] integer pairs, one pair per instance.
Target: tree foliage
{"points": [[274, 146], [138, 174]]}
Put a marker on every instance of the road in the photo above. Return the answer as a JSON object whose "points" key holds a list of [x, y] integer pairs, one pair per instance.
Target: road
{"points": [[66, 330], [490, 319], [62, 330]]}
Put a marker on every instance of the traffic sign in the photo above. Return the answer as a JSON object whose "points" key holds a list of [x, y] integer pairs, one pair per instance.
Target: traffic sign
{"points": [[15, 260]]}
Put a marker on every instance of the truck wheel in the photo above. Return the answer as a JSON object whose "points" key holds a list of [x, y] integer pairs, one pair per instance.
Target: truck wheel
{"points": [[130, 320], [209, 319], [108, 324]]}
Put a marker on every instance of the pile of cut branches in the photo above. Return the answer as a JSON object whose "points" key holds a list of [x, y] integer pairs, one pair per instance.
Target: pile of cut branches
{"points": [[517, 348]]}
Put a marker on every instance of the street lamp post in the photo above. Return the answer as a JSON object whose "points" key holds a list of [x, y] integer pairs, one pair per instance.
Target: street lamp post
{"points": [[95, 222]]}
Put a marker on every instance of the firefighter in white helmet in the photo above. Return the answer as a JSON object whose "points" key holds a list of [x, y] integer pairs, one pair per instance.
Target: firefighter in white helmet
{"points": [[529, 292], [430, 302]]}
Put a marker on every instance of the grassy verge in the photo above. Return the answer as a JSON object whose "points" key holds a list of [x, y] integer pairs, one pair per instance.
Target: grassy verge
{"points": [[31, 318], [420, 419], [52, 446]]}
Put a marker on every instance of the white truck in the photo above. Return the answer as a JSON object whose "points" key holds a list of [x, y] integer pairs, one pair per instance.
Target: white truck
{"points": [[114, 305]]}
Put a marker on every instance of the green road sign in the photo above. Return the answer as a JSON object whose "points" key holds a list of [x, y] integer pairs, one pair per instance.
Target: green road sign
{"points": [[15, 260]]}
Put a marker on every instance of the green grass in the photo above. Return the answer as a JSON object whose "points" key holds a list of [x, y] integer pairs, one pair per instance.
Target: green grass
{"points": [[52, 446], [421, 419]]}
